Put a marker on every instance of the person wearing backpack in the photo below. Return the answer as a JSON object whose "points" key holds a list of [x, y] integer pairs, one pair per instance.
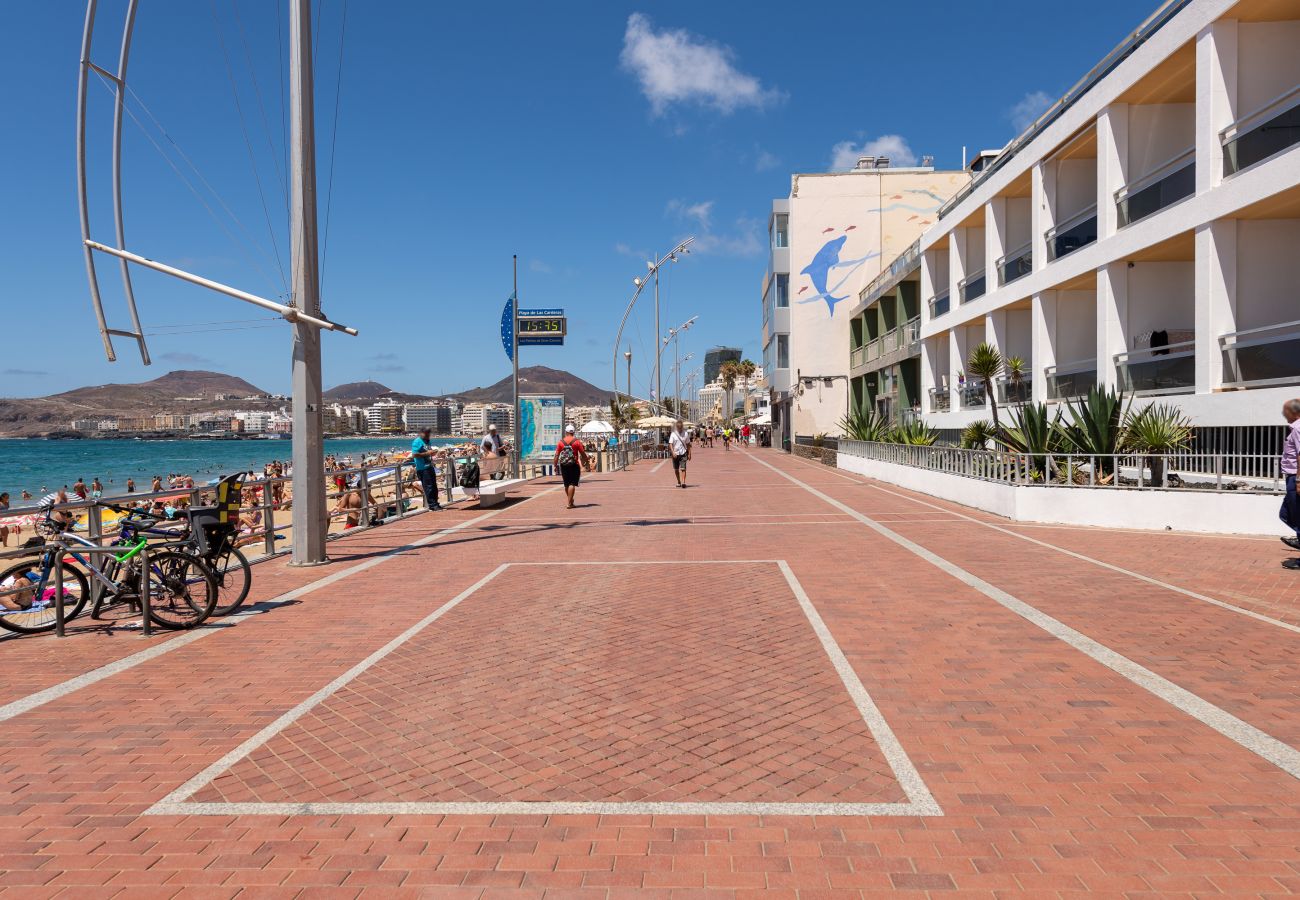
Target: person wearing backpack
{"points": [[571, 458]]}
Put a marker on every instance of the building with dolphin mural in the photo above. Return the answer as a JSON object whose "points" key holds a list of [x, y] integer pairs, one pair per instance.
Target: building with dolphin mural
{"points": [[828, 239]]}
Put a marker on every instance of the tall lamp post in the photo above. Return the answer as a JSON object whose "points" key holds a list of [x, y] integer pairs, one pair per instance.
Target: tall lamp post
{"points": [[673, 335], [671, 256], [627, 355]]}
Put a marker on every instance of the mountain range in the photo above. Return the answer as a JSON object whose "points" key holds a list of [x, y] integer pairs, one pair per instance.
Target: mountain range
{"points": [[190, 391]]}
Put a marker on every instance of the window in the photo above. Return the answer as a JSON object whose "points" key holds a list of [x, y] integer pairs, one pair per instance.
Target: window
{"points": [[783, 351], [780, 230], [782, 291]]}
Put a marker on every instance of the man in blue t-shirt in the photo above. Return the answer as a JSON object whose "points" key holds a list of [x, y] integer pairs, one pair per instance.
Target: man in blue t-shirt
{"points": [[422, 452]]}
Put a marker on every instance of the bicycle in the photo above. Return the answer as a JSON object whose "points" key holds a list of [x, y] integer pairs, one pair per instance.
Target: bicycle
{"points": [[174, 600], [211, 533]]}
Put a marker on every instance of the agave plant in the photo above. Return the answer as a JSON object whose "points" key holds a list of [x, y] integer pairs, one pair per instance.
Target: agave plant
{"points": [[1155, 431], [977, 435], [986, 362], [866, 425], [1036, 433], [913, 432], [1096, 428]]}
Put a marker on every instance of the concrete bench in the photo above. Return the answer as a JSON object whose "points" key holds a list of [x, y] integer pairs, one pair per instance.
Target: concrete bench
{"points": [[493, 493]]}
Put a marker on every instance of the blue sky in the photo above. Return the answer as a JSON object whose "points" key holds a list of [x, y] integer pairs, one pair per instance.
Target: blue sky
{"points": [[580, 136]]}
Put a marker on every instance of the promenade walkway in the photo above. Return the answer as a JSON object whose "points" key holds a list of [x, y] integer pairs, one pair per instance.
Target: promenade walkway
{"points": [[785, 679]]}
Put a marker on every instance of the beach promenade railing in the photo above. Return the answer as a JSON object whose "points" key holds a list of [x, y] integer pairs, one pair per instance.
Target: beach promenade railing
{"points": [[388, 491], [1246, 473]]}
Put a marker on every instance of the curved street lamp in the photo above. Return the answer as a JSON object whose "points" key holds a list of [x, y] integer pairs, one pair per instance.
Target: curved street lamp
{"points": [[641, 282]]}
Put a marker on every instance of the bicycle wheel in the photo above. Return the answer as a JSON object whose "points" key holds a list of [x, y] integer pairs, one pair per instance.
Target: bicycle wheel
{"points": [[182, 590], [39, 598], [234, 578]]}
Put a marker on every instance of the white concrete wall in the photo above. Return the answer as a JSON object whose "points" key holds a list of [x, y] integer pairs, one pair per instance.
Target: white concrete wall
{"points": [[1020, 333], [1076, 187], [1268, 63], [1017, 223], [1161, 295], [1076, 326], [1268, 272], [974, 250], [1201, 512], [1156, 134]]}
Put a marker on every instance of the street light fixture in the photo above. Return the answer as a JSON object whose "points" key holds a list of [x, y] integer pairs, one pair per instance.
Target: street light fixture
{"points": [[673, 335], [640, 283]]}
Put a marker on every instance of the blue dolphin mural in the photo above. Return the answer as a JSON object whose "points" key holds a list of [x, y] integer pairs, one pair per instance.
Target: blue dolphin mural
{"points": [[819, 271]]}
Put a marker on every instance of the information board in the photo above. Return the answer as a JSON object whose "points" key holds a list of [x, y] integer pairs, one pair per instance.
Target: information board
{"points": [[541, 425]]}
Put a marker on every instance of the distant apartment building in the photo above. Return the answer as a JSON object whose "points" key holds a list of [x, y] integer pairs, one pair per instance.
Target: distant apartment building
{"points": [[475, 417], [170, 422], [385, 417], [254, 421], [828, 239], [714, 359], [746, 399], [1143, 234], [577, 416], [434, 416], [86, 426], [107, 425], [135, 424]]}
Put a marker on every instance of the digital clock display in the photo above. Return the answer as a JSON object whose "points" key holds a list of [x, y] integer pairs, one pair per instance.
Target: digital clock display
{"points": [[543, 325]]}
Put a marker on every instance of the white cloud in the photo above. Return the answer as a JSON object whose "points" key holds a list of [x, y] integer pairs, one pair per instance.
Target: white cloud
{"points": [[623, 249], [1030, 107], [764, 161], [845, 154], [540, 267], [745, 238], [675, 66]]}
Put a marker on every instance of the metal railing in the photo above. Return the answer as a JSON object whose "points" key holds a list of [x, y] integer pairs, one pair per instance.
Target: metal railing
{"points": [[940, 399], [938, 305], [1079, 230], [972, 287], [1153, 371], [1071, 379], [1259, 357], [1184, 470], [1164, 186], [1262, 133], [1011, 392], [1016, 264], [971, 395], [904, 337]]}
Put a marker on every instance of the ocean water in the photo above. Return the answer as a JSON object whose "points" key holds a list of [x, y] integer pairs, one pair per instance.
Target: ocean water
{"points": [[42, 466]]}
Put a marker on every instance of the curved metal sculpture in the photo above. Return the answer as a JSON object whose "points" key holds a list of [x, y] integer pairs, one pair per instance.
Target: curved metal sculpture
{"points": [[118, 82]]}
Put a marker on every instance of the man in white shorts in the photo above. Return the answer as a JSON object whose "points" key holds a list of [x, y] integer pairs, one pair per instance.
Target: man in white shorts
{"points": [[679, 445]]}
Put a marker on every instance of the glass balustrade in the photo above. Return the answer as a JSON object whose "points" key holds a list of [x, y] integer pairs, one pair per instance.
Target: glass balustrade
{"points": [[1074, 380], [938, 306], [940, 400], [1174, 181], [972, 286], [1016, 264], [1079, 230], [1259, 357], [1265, 132], [1013, 392], [1170, 369]]}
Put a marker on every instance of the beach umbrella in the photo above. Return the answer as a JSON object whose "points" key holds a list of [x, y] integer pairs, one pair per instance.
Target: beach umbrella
{"points": [[596, 426]]}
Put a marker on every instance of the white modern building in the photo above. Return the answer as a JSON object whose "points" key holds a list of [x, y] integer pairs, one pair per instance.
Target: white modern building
{"points": [[828, 239], [1143, 234], [434, 416], [475, 417]]}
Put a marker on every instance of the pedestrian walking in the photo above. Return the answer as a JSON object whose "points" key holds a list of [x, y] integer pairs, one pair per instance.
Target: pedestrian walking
{"points": [[1290, 511], [571, 458], [422, 452], [679, 445]]}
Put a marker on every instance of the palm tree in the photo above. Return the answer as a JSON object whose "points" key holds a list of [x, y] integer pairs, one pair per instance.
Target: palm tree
{"points": [[986, 362], [745, 371], [1017, 369], [729, 374]]}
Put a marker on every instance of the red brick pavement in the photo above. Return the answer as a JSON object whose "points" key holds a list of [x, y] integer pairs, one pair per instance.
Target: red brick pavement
{"points": [[1056, 775]]}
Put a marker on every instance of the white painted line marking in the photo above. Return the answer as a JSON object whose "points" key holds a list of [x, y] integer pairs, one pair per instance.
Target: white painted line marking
{"points": [[1250, 614], [86, 679], [920, 801], [658, 467], [1240, 732]]}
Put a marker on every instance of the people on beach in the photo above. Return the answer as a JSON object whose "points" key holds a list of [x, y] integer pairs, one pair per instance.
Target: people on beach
{"points": [[4, 526], [422, 452], [351, 502], [1290, 511], [79, 488], [156, 486], [679, 445], [96, 489], [130, 485], [571, 458]]}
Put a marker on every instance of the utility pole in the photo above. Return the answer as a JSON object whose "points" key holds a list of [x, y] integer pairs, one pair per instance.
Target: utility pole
{"points": [[309, 515]]}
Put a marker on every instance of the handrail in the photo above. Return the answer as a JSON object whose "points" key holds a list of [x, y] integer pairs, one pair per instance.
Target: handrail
{"points": [[1233, 336], [1074, 219], [1166, 168], [898, 268], [1013, 254], [1176, 350], [1277, 104], [1070, 368]]}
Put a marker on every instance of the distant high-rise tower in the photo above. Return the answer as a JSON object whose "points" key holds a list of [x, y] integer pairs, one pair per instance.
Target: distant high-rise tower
{"points": [[714, 359]]}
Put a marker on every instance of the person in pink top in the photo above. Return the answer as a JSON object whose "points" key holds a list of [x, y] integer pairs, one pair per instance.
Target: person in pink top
{"points": [[1290, 511]]}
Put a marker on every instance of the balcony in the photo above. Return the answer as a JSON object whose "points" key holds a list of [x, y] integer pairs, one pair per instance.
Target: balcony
{"points": [[904, 337], [938, 306], [1079, 230], [970, 395], [1071, 380], [940, 400], [1261, 357], [1170, 369], [1016, 264], [1013, 393], [971, 287], [1171, 182], [857, 356], [1267, 131]]}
